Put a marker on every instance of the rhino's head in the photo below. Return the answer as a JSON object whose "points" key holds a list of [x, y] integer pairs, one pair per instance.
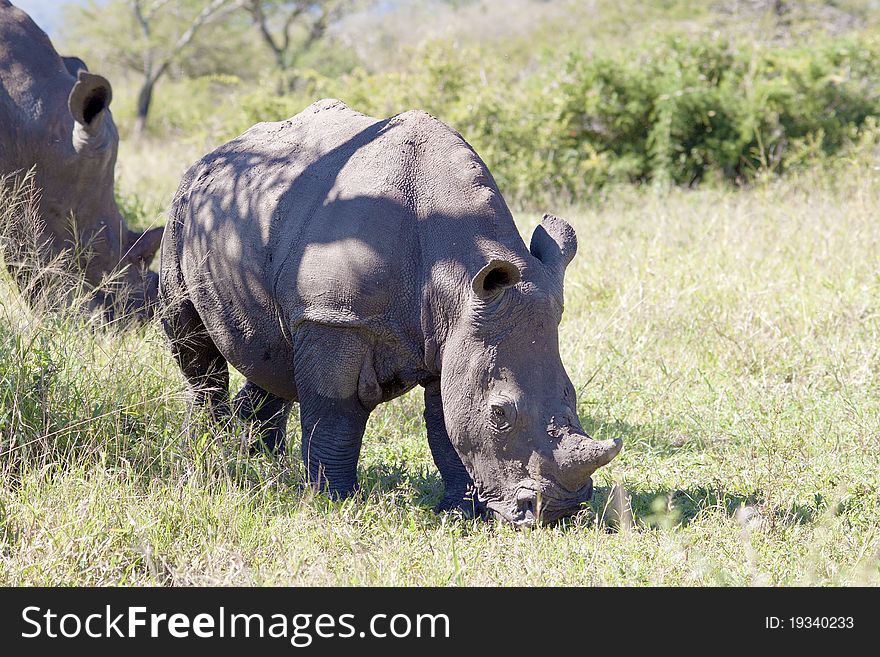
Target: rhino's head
{"points": [[509, 405], [78, 182]]}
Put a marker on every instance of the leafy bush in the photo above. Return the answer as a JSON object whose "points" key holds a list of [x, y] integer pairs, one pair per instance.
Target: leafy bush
{"points": [[679, 110]]}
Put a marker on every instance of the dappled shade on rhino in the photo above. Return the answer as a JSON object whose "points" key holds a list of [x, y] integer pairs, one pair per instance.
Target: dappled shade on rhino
{"points": [[338, 261]]}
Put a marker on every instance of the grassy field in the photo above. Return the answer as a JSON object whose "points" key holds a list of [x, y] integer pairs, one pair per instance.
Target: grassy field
{"points": [[731, 339]]}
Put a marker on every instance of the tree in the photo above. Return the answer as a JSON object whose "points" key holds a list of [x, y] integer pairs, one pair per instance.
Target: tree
{"points": [[156, 60], [146, 36], [289, 28]]}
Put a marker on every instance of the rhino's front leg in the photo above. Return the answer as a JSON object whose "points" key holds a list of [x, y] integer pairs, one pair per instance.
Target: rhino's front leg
{"points": [[457, 483], [328, 363], [332, 431]]}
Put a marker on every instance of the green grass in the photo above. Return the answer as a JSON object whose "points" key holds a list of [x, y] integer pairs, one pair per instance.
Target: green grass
{"points": [[731, 339]]}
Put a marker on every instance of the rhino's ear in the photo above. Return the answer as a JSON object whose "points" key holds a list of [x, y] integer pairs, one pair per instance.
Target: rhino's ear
{"points": [[89, 98], [494, 278], [144, 245], [74, 65], [554, 243]]}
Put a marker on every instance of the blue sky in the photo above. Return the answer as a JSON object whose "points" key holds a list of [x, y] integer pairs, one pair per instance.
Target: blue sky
{"points": [[46, 13]]}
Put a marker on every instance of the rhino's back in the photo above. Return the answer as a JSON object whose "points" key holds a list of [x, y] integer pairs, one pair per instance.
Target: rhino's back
{"points": [[313, 219]]}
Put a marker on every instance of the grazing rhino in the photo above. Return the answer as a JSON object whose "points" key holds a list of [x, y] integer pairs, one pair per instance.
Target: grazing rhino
{"points": [[54, 116], [338, 261]]}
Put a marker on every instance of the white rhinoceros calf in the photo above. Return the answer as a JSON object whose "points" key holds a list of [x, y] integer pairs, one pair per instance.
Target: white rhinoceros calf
{"points": [[337, 261]]}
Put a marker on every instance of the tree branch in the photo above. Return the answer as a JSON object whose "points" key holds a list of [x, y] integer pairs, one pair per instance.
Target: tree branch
{"points": [[281, 44], [144, 24], [156, 6], [255, 8], [210, 11]]}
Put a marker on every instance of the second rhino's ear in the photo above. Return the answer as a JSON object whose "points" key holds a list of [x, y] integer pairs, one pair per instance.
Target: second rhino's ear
{"points": [[144, 245], [494, 278], [89, 98], [74, 64]]}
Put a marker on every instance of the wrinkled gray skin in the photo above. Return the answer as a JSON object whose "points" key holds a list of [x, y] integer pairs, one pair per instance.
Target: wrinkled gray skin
{"points": [[339, 261], [55, 115]]}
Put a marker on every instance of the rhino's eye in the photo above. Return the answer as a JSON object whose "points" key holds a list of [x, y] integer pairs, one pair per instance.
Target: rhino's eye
{"points": [[502, 414]]}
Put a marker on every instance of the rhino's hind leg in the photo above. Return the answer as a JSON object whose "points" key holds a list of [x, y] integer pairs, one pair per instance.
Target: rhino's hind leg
{"points": [[328, 362], [458, 487], [202, 364], [268, 414]]}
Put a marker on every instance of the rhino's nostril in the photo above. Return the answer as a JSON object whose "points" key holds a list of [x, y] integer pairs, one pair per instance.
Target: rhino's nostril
{"points": [[527, 503]]}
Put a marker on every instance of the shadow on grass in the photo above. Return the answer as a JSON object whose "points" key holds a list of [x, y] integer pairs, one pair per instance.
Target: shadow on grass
{"points": [[652, 508], [679, 507], [425, 483]]}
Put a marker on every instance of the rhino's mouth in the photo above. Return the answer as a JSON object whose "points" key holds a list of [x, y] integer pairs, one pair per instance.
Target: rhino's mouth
{"points": [[535, 504]]}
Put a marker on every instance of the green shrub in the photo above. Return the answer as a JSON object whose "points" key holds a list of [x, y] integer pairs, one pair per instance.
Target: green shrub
{"points": [[676, 111]]}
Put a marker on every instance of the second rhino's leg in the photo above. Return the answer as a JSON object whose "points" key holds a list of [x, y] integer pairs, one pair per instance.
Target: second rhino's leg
{"points": [[267, 412], [329, 364], [458, 486]]}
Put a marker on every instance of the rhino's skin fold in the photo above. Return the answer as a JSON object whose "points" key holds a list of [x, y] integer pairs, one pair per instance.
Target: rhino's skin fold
{"points": [[55, 118], [338, 261]]}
